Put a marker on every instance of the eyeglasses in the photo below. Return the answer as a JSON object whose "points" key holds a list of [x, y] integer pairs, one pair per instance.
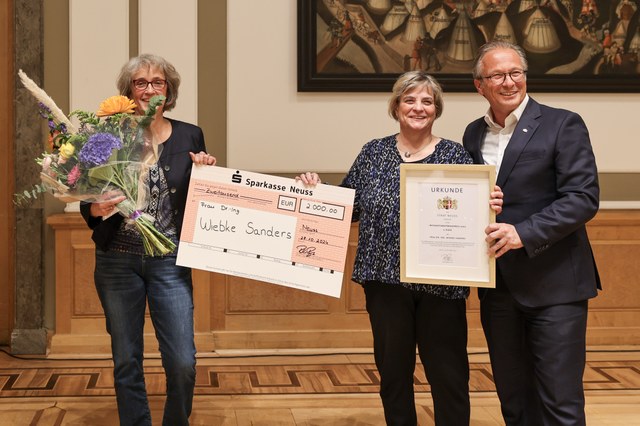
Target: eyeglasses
{"points": [[500, 77], [142, 84]]}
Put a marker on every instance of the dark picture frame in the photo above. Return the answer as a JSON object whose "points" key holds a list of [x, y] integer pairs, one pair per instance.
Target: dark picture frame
{"points": [[569, 43]]}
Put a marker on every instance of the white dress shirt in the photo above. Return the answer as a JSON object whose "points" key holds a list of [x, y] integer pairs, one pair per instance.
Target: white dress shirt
{"points": [[497, 137]]}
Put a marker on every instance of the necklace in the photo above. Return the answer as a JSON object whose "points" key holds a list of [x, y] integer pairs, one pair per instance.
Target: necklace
{"points": [[408, 154]]}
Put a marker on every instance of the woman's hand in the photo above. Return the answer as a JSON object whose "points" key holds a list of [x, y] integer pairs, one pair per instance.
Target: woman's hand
{"points": [[107, 207], [203, 158], [496, 199], [309, 178]]}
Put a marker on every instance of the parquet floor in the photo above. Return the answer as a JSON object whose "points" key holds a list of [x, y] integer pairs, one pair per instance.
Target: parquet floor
{"points": [[281, 389]]}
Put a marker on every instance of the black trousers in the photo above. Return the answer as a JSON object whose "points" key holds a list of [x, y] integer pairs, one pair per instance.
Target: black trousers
{"points": [[538, 359], [402, 318]]}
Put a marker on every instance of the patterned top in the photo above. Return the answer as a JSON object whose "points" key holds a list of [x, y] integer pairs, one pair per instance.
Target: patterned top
{"points": [[375, 176], [128, 238]]}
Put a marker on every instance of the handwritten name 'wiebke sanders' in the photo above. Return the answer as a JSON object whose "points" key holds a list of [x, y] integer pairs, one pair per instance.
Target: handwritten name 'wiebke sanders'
{"points": [[250, 228]]}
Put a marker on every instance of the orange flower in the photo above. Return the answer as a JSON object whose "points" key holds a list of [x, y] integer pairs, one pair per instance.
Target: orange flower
{"points": [[51, 140], [116, 105]]}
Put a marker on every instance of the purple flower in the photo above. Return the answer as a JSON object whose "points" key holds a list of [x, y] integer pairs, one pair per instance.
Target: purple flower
{"points": [[44, 110], [98, 149]]}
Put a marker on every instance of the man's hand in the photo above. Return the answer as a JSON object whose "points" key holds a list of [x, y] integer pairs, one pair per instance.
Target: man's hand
{"points": [[501, 238], [496, 199]]}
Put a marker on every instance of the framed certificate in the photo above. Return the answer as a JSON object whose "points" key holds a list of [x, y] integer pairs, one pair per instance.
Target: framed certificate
{"points": [[444, 210]]}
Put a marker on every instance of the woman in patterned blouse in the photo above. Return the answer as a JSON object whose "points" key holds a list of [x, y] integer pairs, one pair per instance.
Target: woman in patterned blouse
{"points": [[404, 315]]}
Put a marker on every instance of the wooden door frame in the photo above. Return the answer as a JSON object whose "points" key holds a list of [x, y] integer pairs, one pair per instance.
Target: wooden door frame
{"points": [[7, 172]]}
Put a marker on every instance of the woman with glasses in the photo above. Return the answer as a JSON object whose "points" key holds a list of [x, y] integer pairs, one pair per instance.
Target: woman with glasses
{"points": [[405, 315], [127, 279]]}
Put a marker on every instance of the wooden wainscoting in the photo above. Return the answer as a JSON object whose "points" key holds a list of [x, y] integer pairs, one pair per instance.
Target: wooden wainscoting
{"points": [[614, 316], [80, 323], [256, 315], [233, 313]]}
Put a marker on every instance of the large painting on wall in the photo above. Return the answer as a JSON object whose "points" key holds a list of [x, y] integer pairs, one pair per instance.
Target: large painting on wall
{"points": [[571, 45]]}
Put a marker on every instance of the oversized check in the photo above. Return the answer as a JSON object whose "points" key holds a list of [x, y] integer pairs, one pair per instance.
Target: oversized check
{"points": [[266, 228]]}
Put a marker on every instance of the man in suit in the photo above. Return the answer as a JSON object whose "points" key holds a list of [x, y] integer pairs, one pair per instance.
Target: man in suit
{"points": [[535, 320]]}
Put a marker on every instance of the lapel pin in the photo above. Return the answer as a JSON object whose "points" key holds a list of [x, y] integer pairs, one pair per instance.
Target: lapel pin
{"points": [[525, 130]]}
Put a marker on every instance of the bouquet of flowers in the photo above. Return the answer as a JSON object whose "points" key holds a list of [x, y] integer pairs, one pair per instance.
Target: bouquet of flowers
{"points": [[104, 157]]}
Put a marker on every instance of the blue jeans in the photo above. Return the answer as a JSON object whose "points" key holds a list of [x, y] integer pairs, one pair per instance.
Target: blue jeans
{"points": [[125, 283]]}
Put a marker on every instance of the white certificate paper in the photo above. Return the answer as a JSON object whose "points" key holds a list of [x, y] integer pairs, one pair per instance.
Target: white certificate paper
{"points": [[266, 228], [448, 224]]}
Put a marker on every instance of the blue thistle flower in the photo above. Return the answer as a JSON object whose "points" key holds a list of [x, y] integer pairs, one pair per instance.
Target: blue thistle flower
{"points": [[98, 149]]}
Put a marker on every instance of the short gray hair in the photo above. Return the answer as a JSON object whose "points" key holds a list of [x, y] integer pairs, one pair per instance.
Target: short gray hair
{"points": [[146, 60], [486, 48], [412, 80]]}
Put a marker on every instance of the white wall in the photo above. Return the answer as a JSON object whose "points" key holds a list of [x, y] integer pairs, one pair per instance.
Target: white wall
{"points": [[96, 57], [176, 40], [272, 128]]}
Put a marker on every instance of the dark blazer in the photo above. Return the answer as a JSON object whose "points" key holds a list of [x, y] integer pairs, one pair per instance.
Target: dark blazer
{"points": [[550, 184], [176, 164]]}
